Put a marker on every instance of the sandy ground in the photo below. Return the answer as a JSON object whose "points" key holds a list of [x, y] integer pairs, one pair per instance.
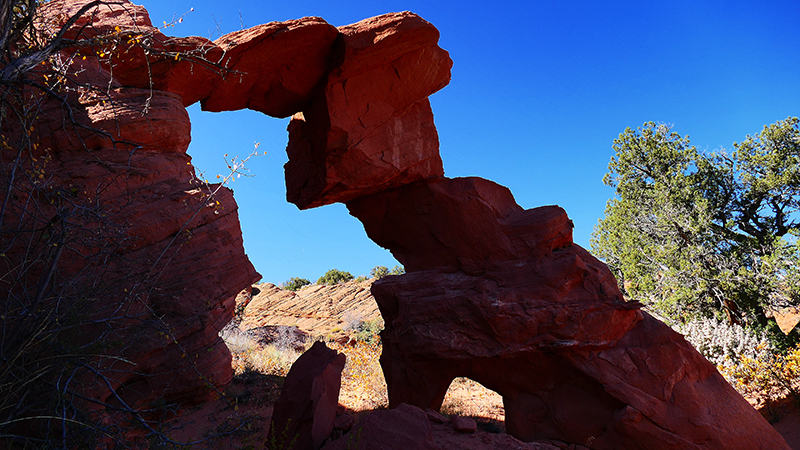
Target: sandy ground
{"points": [[240, 418]]}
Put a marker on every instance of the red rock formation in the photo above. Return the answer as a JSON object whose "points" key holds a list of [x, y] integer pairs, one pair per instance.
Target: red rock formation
{"points": [[137, 258], [493, 292], [408, 427], [271, 68], [506, 299], [141, 230], [371, 128], [496, 293], [305, 413]]}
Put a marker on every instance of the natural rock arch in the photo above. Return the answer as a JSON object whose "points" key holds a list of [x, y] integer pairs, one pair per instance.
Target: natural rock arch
{"points": [[492, 291]]}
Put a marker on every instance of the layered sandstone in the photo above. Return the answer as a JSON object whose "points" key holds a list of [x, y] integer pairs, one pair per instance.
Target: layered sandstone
{"points": [[500, 294], [493, 292], [317, 309], [143, 259]]}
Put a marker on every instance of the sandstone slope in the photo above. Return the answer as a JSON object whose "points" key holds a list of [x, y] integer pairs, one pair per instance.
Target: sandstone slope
{"points": [[315, 309]]}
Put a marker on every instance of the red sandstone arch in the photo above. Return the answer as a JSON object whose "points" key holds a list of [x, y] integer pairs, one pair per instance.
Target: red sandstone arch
{"points": [[493, 292]]}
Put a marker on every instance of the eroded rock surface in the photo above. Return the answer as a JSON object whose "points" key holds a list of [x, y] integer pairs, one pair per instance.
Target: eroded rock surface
{"points": [[408, 427], [493, 292], [316, 308], [502, 295], [305, 413], [371, 127]]}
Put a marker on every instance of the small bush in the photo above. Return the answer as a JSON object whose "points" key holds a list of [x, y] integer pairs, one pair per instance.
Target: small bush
{"points": [[723, 344], [378, 272], [334, 276], [750, 363], [363, 384], [294, 284], [369, 330], [352, 320], [768, 377], [397, 270]]}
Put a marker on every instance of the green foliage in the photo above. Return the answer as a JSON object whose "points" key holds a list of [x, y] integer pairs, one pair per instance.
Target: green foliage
{"points": [[704, 233], [378, 272], [334, 276], [294, 284], [282, 441], [369, 330]]}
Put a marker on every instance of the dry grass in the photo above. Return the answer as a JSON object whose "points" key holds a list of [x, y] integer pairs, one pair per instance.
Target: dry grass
{"points": [[466, 397], [363, 385], [250, 356], [268, 360]]}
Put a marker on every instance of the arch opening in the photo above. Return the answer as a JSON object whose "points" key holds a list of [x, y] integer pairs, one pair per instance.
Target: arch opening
{"points": [[468, 398]]}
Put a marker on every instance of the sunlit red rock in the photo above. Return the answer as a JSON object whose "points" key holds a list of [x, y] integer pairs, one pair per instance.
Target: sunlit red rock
{"points": [[371, 127], [493, 292]]}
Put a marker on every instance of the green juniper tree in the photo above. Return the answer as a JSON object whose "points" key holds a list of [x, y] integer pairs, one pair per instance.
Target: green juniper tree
{"points": [[294, 283], [335, 276], [705, 233]]}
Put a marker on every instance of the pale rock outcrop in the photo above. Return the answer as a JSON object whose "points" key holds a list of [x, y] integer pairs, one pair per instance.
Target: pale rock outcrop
{"points": [[314, 309]]}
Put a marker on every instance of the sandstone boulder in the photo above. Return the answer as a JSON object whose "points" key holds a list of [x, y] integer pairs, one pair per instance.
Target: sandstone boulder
{"points": [[408, 427], [371, 127], [403, 427], [271, 68], [305, 413]]}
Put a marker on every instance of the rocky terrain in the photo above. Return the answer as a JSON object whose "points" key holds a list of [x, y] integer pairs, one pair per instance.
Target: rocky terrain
{"points": [[317, 309], [492, 292], [257, 393]]}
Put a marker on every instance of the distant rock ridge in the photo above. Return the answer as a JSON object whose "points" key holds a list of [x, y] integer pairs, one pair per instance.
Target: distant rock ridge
{"points": [[315, 309], [492, 291]]}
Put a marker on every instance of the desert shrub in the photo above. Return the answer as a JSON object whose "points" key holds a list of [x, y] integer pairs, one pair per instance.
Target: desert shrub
{"points": [[237, 340], [294, 284], [767, 377], [746, 359], [363, 384], [361, 329], [268, 360], [397, 270], [378, 272], [360, 278], [352, 320], [723, 344], [334, 276], [369, 330], [274, 358], [286, 338]]}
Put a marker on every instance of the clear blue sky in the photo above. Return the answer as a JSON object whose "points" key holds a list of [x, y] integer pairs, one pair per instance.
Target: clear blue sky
{"points": [[539, 91]]}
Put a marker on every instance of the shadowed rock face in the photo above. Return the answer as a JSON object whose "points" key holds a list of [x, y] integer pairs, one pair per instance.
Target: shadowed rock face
{"points": [[493, 292], [306, 410]]}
